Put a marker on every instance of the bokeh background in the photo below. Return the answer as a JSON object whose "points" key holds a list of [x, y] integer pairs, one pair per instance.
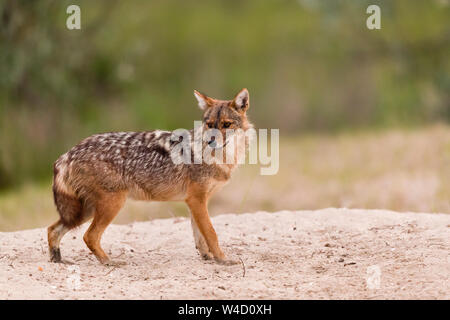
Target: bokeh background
{"points": [[363, 114]]}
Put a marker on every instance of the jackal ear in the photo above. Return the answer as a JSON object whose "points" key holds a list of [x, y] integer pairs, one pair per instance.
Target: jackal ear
{"points": [[241, 101], [203, 100]]}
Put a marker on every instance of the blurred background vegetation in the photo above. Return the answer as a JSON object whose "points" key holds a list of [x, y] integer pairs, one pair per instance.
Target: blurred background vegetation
{"points": [[313, 70]]}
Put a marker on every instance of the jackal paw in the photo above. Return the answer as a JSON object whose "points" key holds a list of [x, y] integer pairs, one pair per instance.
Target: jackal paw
{"points": [[204, 252], [55, 255], [206, 256], [62, 261]]}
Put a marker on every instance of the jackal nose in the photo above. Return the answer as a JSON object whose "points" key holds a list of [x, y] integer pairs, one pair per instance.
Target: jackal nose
{"points": [[213, 142]]}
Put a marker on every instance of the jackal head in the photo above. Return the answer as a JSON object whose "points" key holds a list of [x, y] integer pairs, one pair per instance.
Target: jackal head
{"points": [[224, 116]]}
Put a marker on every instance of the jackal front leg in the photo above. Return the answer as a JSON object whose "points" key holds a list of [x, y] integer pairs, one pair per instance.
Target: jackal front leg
{"points": [[200, 215], [200, 242]]}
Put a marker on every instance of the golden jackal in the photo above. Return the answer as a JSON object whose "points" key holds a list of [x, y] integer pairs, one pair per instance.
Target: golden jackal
{"points": [[94, 178]]}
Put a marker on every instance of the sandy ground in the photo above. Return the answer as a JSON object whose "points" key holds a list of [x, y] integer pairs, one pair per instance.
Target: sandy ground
{"points": [[325, 254]]}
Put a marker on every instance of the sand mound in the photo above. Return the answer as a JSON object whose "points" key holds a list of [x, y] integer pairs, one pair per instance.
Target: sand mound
{"points": [[325, 254]]}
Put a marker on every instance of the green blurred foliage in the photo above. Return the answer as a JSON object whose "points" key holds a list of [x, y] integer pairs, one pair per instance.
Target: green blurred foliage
{"points": [[309, 66]]}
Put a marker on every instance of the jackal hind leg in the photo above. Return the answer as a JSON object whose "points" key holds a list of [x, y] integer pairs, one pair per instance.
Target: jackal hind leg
{"points": [[55, 233], [107, 207], [73, 212]]}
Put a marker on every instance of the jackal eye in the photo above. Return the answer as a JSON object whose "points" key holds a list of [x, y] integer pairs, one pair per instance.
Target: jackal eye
{"points": [[226, 124], [210, 124]]}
